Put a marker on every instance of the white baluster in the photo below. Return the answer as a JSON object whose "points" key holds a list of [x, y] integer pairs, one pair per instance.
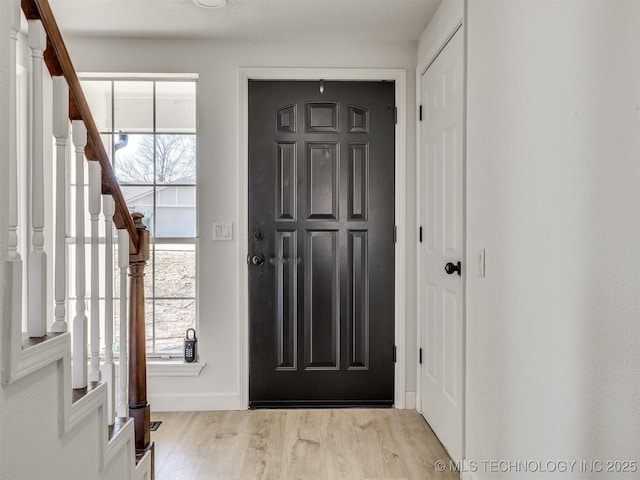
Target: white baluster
{"points": [[108, 207], [61, 132], [79, 376], [123, 265], [95, 183], [37, 276], [13, 291], [13, 134]]}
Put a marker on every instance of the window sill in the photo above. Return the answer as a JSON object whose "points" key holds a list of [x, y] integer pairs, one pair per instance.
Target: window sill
{"points": [[172, 368]]}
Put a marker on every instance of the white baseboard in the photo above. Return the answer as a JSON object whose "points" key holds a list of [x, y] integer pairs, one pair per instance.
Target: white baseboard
{"points": [[410, 400], [190, 402]]}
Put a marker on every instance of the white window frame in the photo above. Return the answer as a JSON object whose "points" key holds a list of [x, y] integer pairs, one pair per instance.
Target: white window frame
{"points": [[112, 77]]}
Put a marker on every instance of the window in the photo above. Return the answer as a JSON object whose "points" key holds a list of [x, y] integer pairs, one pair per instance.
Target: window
{"points": [[148, 127]]}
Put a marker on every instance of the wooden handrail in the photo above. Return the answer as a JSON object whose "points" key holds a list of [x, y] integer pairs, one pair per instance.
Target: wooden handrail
{"points": [[59, 63]]}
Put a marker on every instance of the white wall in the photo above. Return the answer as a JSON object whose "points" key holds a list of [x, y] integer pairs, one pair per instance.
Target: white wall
{"points": [[218, 65], [553, 168]]}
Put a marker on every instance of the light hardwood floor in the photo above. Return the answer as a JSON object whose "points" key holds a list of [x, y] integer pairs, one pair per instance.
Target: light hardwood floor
{"points": [[319, 444]]}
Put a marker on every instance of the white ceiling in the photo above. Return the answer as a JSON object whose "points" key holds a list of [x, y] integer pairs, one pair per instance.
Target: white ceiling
{"points": [[294, 20]]}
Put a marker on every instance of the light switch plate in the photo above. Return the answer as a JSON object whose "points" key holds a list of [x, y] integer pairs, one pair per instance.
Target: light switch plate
{"points": [[481, 262], [222, 231]]}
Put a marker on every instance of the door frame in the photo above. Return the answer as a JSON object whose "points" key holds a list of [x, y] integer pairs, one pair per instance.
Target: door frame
{"points": [[343, 74], [445, 33]]}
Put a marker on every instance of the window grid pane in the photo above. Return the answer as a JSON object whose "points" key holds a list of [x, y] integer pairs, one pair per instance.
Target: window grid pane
{"points": [[133, 107], [153, 151]]}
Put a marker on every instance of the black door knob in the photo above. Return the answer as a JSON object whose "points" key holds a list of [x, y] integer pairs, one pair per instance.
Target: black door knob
{"points": [[258, 259], [451, 268]]}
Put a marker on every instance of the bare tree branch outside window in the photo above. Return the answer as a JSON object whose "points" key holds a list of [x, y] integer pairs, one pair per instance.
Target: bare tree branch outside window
{"points": [[175, 159]]}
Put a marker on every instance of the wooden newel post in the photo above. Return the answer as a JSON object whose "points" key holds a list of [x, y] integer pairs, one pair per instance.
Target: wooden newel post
{"points": [[138, 407]]}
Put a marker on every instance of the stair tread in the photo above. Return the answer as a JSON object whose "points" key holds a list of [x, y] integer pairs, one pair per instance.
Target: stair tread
{"points": [[79, 393], [118, 423], [28, 341]]}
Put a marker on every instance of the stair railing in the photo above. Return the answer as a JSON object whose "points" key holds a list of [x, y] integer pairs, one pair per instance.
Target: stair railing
{"points": [[69, 105]]}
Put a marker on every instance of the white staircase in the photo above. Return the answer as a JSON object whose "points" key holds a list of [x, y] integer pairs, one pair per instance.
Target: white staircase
{"points": [[57, 420], [48, 435]]}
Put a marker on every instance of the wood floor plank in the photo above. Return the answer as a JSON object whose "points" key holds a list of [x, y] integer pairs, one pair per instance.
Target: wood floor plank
{"points": [[416, 458], [332, 444], [302, 445], [191, 451], [393, 446], [227, 448], [341, 460], [368, 444], [263, 458], [172, 430]]}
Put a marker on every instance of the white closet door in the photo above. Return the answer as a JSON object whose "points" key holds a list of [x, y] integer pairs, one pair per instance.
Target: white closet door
{"points": [[441, 293]]}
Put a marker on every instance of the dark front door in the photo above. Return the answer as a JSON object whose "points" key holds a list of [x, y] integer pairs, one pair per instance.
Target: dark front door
{"points": [[321, 243]]}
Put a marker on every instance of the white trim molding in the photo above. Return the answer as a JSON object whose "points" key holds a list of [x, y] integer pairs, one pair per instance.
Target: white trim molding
{"points": [[344, 74], [169, 368], [174, 369], [446, 21], [193, 402], [410, 401]]}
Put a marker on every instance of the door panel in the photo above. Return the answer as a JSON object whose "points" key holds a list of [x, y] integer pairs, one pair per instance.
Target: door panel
{"points": [[322, 299], [441, 294], [358, 300], [287, 178], [358, 175], [287, 298], [323, 161], [321, 213]]}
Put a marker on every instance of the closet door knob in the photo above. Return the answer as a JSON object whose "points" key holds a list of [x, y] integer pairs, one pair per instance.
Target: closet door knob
{"points": [[452, 268]]}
